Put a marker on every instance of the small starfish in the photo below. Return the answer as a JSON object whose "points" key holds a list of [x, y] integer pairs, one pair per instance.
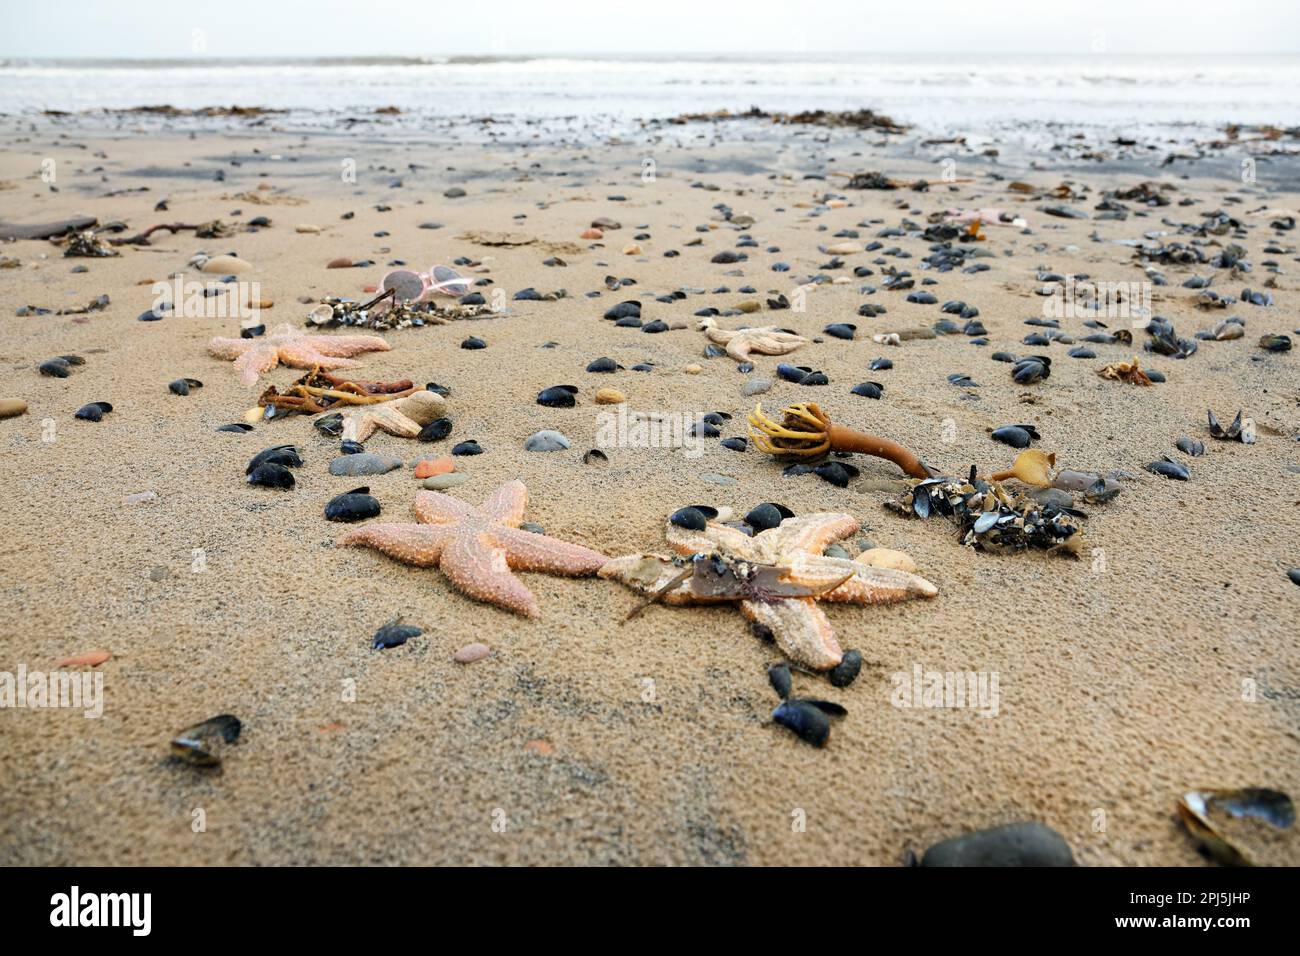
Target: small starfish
{"points": [[793, 550], [477, 547], [255, 357], [403, 417], [768, 340]]}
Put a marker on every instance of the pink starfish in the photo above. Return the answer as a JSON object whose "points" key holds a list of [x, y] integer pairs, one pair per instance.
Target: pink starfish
{"points": [[255, 357], [477, 547]]}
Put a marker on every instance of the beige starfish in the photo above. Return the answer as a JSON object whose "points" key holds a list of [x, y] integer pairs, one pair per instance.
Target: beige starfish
{"points": [[790, 560], [477, 547], [403, 417], [768, 340], [255, 357]]}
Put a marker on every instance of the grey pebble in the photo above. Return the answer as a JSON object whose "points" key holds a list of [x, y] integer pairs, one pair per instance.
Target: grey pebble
{"points": [[1017, 844], [364, 463]]}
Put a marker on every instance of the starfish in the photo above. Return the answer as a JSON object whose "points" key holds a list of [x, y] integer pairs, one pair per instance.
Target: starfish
{"points": [[782, 591], [404, 417], [477, 547], [768, 340], [255, 357]]}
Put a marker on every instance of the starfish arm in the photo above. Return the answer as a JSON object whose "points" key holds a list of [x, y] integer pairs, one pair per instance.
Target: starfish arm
{"points": [[229, 348], [714, 538], [528, 551], [434, 507], [345, 345], [650, 575], [800, 628], [256, 362], [810, 532], [472, 563], [739, 346], [506, 505], [418, 544], [303, 356], [867, 586]]}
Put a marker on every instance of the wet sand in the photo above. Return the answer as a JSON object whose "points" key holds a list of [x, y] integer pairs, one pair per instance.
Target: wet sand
{"points": [[1121, 679]]}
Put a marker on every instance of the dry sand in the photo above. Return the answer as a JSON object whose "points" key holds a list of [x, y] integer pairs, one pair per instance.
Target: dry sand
{"points": [[1119, 688]]}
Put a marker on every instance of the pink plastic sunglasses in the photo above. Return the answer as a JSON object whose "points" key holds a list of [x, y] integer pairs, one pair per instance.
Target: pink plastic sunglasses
{"points": [[408, 285]]}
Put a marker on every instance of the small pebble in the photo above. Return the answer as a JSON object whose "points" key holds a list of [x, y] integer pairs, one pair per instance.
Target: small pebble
{"points": [[471, 653], [443, 482]]}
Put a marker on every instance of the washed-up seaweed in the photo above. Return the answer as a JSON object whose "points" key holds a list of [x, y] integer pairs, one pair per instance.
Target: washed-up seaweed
{"points": [[318, 391]]}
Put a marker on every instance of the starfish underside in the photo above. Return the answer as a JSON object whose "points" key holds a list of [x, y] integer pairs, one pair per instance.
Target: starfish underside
{"points": [[477, 548], [285, 345], [768, 340], [800, 628]]}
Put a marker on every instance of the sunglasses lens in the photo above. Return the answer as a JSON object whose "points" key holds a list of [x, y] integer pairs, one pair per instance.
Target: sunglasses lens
{"points": [[449, 281], [408, 285]]}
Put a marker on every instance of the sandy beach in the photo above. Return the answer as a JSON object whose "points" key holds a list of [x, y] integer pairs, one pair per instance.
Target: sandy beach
{"points": [[1164, 658]]}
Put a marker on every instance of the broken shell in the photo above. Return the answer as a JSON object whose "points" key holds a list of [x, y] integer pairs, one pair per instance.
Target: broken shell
{"points": [[182, 386], [284, 455], [1255, 804], [805, 719], [1238, 430], [93, 412], [355, 505], [779, 677], [189, 745], [846, 671], [767, 515], [271, 475], [1017, 436], [1169, 469], [393, 634]]}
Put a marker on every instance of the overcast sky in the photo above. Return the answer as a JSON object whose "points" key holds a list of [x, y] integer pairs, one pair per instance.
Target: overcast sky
{"points": [[259, 28]]}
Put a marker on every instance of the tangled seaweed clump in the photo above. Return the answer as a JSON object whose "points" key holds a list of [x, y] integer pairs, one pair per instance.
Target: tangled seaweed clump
{"points": [[993, 519]]}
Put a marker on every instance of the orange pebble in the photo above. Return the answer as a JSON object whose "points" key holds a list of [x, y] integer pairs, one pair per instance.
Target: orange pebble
{"points": [[592, 234], [434, 466], [93, 658], [539, 746]]}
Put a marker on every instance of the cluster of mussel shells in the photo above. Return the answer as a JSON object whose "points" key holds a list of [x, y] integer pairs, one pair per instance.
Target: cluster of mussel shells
{"points": [[993, 519], [335, 312], [86, 245]]}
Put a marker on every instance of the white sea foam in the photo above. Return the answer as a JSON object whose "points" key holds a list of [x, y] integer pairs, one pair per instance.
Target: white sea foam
{"points": [[930, 92]]}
